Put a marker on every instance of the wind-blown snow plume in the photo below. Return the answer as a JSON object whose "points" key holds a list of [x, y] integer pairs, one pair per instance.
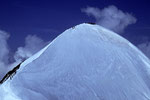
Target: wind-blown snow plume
{"points": [[110, 17], [4, 52], [32, 45]]}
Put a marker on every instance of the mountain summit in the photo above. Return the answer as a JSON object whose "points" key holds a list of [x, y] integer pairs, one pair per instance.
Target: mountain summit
{"points": [[86, 62]]}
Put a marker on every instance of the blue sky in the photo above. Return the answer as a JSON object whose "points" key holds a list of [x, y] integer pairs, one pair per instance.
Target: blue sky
{"points": [[48, 18]]}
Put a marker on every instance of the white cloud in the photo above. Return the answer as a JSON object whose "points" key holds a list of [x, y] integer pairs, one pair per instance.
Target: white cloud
{"points": [[32, 45], [110, 17], [145, 48], [4, 53]]}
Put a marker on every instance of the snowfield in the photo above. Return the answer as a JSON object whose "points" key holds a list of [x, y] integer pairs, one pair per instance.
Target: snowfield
{"points": [[87, 62]]}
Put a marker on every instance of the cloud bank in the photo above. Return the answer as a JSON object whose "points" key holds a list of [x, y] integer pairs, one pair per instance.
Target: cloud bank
{"points": [[32, 45], [4, 52], [110, 17], [145, 48]]}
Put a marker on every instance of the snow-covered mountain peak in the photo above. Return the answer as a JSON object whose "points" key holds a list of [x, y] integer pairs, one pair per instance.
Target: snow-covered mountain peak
{"points": [[94, 32], [86, 62]]}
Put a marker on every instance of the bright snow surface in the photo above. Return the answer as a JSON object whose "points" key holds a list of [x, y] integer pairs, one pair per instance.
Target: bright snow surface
{"points": [[86, 62]]}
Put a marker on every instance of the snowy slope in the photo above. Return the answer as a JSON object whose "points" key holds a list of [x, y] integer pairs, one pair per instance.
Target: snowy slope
{"points": [[87, 62]]}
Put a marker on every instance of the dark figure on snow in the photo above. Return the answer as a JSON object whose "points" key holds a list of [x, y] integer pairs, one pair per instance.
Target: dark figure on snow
{"points": [[10, 74], [91, 23]]}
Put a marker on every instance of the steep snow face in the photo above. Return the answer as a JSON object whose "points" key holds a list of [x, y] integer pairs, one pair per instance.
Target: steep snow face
{"points": [[87, 62]]}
